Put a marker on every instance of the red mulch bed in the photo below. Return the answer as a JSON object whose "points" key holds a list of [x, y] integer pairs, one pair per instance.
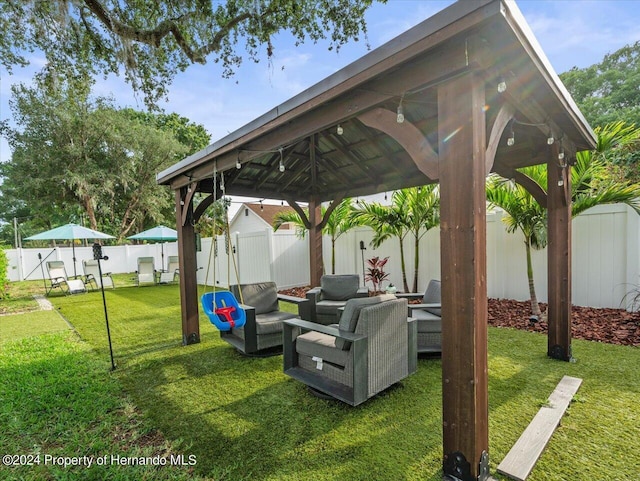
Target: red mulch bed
{"points": [[613, 326]]}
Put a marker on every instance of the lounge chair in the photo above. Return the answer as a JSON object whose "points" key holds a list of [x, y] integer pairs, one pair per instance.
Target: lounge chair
{"points": [[92, 275], [262, 332], [373, 347], [58, 279], [429, 316], [146, 273], [333, 293], [172, 271]]}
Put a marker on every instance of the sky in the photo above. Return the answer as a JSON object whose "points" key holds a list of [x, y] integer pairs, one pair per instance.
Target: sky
{"points": [[572, 33]]}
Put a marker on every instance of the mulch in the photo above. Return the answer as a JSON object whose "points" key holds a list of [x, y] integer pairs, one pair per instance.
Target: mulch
{"points": [[613, 326]]}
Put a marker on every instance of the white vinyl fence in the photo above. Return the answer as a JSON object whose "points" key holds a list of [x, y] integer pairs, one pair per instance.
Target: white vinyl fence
{"points": [[605, 261]]}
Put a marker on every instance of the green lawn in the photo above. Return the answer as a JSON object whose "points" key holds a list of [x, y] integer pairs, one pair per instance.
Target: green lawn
{"points": [[243, 418]]}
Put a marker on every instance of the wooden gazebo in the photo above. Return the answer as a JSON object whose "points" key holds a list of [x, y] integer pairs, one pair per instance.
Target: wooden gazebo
{"points": [[465, 93]]}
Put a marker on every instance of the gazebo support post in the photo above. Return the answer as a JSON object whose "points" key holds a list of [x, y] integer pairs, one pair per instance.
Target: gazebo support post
{"points": [[315, 241], [559, 256], [462, 144], [187, 260]]}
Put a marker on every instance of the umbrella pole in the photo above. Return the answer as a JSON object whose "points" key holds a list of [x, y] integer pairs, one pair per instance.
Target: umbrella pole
{"points": [[73, 250], [44, 279]]}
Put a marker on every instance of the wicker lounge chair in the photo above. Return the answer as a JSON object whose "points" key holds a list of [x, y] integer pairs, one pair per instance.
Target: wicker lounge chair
{"points": [[373, 347], [262, 333], [429, 316], [333, 293]]}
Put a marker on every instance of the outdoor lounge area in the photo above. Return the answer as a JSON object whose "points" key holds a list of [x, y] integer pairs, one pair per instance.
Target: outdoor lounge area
{"points": [[173, 382]]}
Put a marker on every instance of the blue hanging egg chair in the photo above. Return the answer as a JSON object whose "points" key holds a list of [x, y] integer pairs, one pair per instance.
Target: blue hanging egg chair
{"points": [[223, 310]]}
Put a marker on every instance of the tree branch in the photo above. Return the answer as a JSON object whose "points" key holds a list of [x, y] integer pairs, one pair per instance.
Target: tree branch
{"points": [[154, 36]]}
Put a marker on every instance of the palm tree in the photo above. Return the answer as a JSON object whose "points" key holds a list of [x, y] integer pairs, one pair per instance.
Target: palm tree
{"points": [[422, 207], [591, 185], [523, 213], [340, 221], [386, 221], [414, 210]]}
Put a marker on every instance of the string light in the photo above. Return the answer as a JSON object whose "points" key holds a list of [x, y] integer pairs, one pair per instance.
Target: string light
{"points": [[502, 85], [281, 167], [550, 139], [512, 138], [400, 112], [238, 164], [339, 130]]}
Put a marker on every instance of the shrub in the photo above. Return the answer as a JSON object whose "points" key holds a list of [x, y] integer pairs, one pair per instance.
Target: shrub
{"points": [[375, 272], [4, 276]]}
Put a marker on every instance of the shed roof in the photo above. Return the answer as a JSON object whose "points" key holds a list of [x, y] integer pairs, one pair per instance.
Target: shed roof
{"points": [[266, 212]]}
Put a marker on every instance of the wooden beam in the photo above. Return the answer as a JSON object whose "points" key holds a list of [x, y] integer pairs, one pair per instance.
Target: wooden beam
{"points": [[187, 200], [187, 261], [334, 203], [203, 205], [346, 101], [559, 258], [527, 182], [303, 216], [525, 453], [315, 242], [462, 168], [408, 136], [500, 123]]}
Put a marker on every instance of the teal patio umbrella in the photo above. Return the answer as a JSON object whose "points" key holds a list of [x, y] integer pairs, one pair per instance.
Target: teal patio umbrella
{"points": [[160, 234], [70, 232]]}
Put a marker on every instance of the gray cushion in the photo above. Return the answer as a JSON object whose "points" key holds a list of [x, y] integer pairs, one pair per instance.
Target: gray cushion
{"points": [[423, 315], [329, 307], [271, 322], [432, 296], [339, 287], [317, 344], [263, 296], [429, 325], [351, 313]]}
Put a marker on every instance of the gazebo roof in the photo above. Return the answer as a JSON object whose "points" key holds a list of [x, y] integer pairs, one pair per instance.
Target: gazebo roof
{"points": [[490, 37]]}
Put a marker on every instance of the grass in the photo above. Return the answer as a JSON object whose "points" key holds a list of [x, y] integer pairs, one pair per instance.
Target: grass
{"points": [[243, 418], [58, 399]]}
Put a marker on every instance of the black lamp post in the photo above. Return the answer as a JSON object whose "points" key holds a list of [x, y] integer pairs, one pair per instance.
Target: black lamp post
{"points": [[97, 255]]}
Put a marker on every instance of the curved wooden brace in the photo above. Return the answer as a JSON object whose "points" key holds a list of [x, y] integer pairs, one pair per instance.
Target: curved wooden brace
{"points": [[202, 206], [303, 216], [334, 203], [188, 198], [502, 120], [408, 136], [538, 193]]}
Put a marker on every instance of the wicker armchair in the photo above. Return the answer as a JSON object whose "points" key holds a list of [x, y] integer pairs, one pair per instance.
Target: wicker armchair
{"points": [[262, 333], [334, 292], [373, 347], [429, 316]]}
